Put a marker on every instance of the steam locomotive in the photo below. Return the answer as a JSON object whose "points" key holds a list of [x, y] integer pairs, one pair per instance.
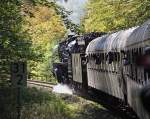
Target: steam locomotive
{"points": [[114, 66]]}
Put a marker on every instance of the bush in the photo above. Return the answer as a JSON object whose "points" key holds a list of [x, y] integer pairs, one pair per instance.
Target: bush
{"points": [[36, 104]]}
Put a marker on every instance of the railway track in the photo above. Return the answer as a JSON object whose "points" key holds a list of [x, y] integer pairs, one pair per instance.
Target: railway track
{"points": [[124, 114], [105, 114], [41, 84]]}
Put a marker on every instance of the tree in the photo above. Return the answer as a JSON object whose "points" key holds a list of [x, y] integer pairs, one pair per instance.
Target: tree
{"points": [[45, 28], [110, 15], [15, 44]]}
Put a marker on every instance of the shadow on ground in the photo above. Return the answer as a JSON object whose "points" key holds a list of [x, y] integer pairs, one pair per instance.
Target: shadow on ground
{"points": [[84, 109]]}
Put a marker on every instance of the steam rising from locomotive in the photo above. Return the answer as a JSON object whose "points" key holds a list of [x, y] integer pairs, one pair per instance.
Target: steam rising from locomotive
{"points": [[61, 88], [115, 65]]}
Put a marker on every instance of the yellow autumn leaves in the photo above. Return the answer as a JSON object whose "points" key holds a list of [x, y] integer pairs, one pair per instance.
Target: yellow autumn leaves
{"points": [[45, 28], [112, 15]]}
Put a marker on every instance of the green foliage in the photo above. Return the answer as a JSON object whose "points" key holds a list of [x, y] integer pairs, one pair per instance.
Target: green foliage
{"points": [[45, 28], [59, 11], [109, 15], [15, 43], [43, 104], [39, 104], [29, 30], [7, 103], [13, 39], [33, 95], [35, 104], [44, 111]]}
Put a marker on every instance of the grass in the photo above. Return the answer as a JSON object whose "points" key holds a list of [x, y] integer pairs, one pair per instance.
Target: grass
{"points": [[44, 111], [80, 108], [42, 104], [36, 104]]}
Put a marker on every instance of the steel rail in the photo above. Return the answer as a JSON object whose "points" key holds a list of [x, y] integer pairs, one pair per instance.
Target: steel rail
{"points": [[41, 83]]}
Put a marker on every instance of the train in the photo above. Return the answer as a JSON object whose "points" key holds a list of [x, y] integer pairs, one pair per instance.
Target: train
{"points": [[113, 66]]}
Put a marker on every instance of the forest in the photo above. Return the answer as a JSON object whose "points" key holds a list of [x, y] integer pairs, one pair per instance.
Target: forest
{"points": [[30, 31], [31, 28], [113, 15]]}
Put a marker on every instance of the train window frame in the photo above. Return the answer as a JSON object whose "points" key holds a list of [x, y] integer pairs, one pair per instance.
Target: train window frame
{"points": [[114, 55], [126, 57], [98, 60]]}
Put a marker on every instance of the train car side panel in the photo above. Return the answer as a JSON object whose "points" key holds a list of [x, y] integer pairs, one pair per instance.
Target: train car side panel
{"points": [[77, 68]]}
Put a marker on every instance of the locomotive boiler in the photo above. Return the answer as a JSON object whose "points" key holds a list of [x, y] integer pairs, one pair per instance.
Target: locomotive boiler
{"points": [[116, 65]]}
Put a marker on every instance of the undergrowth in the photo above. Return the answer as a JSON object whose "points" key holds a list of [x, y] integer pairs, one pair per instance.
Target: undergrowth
{"points": [[35, 104], [42, 104]]}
